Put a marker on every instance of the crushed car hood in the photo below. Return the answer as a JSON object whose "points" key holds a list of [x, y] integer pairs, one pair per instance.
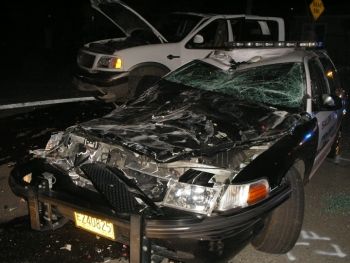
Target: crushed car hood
{"points": [[124, 17], [171, 121]]}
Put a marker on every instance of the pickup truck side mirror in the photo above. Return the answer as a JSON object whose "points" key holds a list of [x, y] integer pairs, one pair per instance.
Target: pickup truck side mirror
{"points": [[331, 102], [198, 39]]}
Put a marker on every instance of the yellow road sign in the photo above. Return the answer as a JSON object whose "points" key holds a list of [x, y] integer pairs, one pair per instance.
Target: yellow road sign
{"points": [[316, 8]]}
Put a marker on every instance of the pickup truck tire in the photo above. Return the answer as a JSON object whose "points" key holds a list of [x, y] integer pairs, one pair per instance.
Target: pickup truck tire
{"points": [[283, 226], [143, 77]]}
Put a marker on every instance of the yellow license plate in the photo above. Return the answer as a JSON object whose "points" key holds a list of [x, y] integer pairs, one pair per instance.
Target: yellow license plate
{"points": [[95, 225]]}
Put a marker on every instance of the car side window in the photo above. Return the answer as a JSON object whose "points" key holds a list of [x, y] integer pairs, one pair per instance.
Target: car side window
{"points": [[318, 84], [237, 28], [331, 75], [254, 30], [214, 35]]}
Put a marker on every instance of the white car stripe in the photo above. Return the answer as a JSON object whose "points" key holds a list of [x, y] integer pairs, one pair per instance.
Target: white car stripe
{"points": [[43, 102]]}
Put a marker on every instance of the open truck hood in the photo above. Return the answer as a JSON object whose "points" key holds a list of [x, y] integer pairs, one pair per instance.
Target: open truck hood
{"points": [[124, 17]]}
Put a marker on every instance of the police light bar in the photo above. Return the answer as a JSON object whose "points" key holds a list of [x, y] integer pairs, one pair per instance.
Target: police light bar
{"points": [[276, 44]]}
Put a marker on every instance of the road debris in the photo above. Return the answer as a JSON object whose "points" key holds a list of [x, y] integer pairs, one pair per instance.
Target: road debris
{"points": [[67, 247], [10, 209], [11, 164]]}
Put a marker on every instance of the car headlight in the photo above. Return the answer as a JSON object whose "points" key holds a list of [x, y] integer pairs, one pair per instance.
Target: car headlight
{"points": [[189, 197], [204, 200], [244, 195], [110, 62]]}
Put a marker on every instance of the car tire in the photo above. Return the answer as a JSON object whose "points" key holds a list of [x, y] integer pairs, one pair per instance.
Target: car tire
{"points": [[282, 228], [336, 150], [142, 78]]}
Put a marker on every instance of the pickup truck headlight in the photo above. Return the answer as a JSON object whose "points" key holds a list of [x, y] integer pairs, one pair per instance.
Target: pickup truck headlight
{"points": [[110, 62]]}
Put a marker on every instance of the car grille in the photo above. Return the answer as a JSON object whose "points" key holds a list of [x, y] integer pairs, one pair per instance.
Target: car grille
{"points": [[86, 60], [112, 187]]}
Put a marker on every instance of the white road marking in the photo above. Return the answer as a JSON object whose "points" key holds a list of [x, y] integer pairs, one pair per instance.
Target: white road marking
{"points": [[344, 159], [312, 236], [337, 253], [291, 256], [43, 102], [309, 235], [302, 244]]}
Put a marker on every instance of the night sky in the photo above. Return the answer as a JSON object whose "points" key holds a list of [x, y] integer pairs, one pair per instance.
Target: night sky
{"points": [[47, 32], [24, 22]]}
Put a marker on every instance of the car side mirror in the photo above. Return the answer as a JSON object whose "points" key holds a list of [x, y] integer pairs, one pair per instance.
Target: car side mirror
{"points": [[198, 39], [327, 100], [331, 102]]}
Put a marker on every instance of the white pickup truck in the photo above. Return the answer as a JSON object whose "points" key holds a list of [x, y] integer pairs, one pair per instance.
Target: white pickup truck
{"points": [[123, 67]]}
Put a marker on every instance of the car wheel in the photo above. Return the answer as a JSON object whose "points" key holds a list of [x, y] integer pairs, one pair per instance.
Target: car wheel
{"points": [[140, 79], [282, 228], [335, 150]]}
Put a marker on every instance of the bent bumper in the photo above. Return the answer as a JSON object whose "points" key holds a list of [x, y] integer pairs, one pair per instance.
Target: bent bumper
{"points": [[190, 239], [85, 80]]}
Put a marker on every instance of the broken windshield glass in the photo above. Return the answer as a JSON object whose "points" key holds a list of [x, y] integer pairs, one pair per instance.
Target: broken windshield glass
{"points": [[276, 84]]}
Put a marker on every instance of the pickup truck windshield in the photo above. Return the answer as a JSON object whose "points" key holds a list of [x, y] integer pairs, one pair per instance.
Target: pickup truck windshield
{"points": [[276, 84], [175, 27]]}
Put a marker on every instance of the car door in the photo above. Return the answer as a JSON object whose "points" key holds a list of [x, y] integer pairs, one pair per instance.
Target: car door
{"points": [[218, 32], [333, 79], [327, 118]]}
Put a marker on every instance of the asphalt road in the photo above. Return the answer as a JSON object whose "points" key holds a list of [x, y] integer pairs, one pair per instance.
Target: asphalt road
{"points": [[325, 236], [28, 128]]}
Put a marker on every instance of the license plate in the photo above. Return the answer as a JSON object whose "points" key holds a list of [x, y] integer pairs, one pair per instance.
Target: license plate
{"points": [[95, 225]]}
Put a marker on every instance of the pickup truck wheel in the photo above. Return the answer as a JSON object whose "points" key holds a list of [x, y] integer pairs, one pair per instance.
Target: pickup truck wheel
{"points": [[142, 78], [283, 226]]}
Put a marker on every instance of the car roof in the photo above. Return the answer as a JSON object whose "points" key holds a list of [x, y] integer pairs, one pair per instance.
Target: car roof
{"points": [[193, 14], [210, 15], [262, 56]]}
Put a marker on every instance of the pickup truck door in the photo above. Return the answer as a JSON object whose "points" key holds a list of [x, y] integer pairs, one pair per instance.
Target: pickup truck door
{"points": [[218, 32], [214, 35]]}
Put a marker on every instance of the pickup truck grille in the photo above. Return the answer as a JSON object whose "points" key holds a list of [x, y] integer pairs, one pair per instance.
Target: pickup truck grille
{"points": [[85, 59]]}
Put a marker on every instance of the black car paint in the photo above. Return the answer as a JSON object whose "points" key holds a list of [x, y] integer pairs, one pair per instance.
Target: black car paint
{"points": [[206, 238], [196, 116], [275, 162], [171, 122]]}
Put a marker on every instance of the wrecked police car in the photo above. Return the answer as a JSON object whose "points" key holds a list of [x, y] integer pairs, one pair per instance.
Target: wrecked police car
{"points": [[214, 156]]}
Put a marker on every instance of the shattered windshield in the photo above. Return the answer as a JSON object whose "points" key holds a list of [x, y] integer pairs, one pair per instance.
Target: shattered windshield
{"points": [[276, 84]]}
